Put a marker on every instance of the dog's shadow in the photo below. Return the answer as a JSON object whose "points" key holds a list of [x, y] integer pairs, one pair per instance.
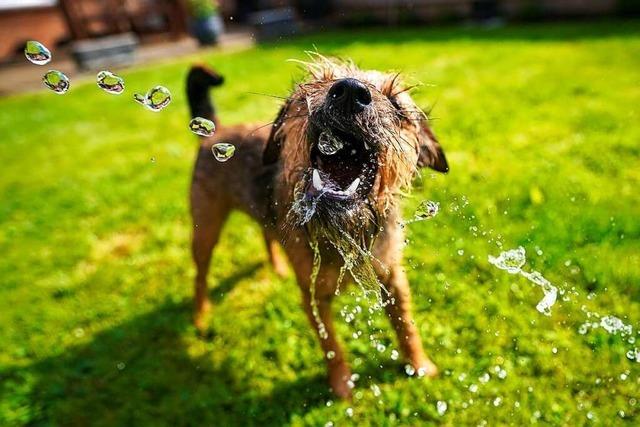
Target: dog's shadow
{"points": [[139, 373]]}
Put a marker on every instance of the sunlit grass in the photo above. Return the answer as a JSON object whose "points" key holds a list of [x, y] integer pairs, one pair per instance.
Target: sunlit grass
{"points": [[540, 126]]}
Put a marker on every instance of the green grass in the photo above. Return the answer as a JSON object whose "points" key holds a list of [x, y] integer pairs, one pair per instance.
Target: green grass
{"points": [[540, 124]]}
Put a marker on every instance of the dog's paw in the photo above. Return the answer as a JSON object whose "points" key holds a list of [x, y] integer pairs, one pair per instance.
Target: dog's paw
{"points": [[426, 368], [339, 377]]}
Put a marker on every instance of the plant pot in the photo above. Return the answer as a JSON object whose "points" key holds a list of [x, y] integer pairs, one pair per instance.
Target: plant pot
{"points": [[207, 30]]}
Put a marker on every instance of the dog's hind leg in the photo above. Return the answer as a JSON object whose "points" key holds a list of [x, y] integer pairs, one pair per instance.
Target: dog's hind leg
{"points": [[209, 214], [276, 258]]}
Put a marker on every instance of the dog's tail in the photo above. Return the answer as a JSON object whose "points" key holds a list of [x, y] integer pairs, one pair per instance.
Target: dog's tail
{"points": [[199, 80]]}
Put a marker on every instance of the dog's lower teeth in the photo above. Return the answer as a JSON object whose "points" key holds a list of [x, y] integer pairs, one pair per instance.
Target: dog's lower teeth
{"points": [[353, 187], [317, 181]]}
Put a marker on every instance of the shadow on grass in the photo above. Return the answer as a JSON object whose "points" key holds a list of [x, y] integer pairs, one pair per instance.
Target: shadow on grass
{"points": [[140, 373]]}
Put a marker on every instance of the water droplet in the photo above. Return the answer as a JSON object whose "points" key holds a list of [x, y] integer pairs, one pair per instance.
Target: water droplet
{"points": [[473, 388], [380, 347], [140, 99], [120, 366], [156, 99], [56, 81], [36, 52], [349, 412], [110, 83], [201, 126], [427, 209], [502, 374], [511, 260], [410, 370], [497, 401], [329, 144], [394, 354], [331, 354], [376, 390], [441, 407], [484, 378], [223, 151], [634, 354], [613, 325]]}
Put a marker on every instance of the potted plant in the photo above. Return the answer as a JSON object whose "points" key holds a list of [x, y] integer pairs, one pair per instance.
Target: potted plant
{"points": [[206, 24]]}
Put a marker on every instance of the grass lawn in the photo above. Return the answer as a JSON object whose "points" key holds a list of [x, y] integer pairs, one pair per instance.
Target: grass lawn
{"points": [[541, 126]]}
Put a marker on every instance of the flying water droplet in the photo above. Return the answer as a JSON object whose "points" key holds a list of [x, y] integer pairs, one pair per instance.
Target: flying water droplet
{"points": [[56, 81], [223, 151], [394, 354], [158, 98], [409, 370], [613, 325], [427, 209], [331, 354], [441, 407], [201, 126], [329, 144], [155, 100], [511, 261], [36, 52], [110, 83]]}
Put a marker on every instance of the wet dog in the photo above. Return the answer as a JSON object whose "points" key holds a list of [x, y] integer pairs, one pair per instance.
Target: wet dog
{"points": [[323, 182]]}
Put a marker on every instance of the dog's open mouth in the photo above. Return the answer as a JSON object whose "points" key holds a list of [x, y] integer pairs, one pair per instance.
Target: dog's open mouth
{"points": [[343, 166]]}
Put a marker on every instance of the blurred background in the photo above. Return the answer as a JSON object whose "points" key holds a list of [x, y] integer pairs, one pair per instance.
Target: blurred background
{"points": [[98, 33], [537, 106]]}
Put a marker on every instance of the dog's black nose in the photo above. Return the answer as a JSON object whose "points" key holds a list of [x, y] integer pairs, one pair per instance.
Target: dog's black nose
{"points": [[349, 95]]}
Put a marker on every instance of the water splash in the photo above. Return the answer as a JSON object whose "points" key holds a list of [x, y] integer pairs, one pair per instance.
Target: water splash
{"points": [[512, 262], [56, 81], [223, 151], [155, 100], [441, 407], [201, 126], [427, 209], [329, 144], [110, 83], [37, 53]]}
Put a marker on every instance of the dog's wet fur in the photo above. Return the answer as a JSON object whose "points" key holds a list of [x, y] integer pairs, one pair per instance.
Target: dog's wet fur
{"points": [[344, 203]]}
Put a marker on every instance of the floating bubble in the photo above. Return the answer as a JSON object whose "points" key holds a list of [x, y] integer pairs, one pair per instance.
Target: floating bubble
{"points": [[37, 53], [155, 100], [329, 144], [110, 82], [56, 81], [201, 126], [441, 407], [223, 151], [511, 260]]}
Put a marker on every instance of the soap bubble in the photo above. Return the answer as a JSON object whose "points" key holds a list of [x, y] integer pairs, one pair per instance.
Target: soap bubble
{"points": [[37, 53], [223, 151], [201, 126], [56, 81], [110, 82]]}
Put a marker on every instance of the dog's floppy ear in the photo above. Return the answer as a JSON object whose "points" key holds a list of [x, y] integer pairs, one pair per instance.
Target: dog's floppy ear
{"points": [[271, 152], [430, 153]]}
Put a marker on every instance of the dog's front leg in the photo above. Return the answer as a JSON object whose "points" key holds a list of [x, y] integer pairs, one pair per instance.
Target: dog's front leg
{"points": [[339, 372], [399, 312]]}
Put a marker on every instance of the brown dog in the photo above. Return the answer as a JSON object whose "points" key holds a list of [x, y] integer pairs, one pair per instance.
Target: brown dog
{"points": [[322, 181]]}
